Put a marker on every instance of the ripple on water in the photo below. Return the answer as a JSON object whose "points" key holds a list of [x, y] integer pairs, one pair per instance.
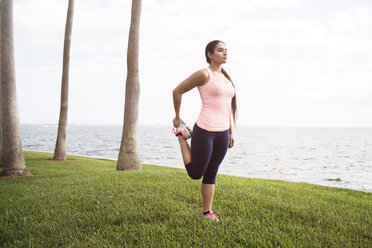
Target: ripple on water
{"points": [[313, 155]]}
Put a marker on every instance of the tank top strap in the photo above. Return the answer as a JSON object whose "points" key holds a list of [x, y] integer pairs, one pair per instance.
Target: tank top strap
{"points": [[209, 72], [211, 76]]}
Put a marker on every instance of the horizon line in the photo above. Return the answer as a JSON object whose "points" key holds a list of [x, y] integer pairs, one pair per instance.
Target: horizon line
{"points": [[163, 124]]}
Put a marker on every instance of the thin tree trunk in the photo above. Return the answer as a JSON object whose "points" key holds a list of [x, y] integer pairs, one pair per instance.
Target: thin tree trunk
{"points": [[12, 153], [1, 99], [129, 157], [60, 149]]}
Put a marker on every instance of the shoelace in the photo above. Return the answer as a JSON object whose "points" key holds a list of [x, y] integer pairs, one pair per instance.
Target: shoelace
{"points": [[184, 127], [174, 130]]}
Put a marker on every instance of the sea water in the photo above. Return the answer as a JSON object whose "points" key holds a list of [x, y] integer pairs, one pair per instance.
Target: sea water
{"points": [[337, 157]]}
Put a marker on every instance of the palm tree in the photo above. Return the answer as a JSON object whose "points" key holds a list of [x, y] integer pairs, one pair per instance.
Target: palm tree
{"points": [[12, 153], [1, 115], [60, 149], [129, 157]]}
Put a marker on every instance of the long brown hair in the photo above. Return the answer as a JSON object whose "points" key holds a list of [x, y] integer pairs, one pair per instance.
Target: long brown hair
{"points": [[210, 49]]}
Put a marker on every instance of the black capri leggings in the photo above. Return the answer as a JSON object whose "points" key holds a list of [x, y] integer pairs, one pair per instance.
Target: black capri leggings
{"points": [[207, 152]]}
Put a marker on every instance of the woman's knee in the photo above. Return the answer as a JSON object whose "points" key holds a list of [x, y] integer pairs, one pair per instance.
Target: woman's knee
{"points": [[194, 174], [196, 177]]}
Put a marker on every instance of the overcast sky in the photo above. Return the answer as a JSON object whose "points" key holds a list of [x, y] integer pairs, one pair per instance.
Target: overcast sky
{"points": [[294, 62]]}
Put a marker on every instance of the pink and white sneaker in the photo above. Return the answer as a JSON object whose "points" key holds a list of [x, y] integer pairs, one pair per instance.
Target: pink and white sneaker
{"points": [[210, 216], [183, 130]]}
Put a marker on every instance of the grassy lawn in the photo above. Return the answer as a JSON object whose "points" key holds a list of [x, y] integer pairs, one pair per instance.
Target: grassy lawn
{"points": [[86, 202]]}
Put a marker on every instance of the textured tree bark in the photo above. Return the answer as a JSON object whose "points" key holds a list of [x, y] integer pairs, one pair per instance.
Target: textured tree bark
{"points": [[60, 149], [12, 153], [129, 157], [1, 99]]}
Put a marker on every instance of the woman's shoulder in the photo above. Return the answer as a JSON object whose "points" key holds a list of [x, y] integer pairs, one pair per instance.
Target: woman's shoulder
{"points": [[202, 75]]}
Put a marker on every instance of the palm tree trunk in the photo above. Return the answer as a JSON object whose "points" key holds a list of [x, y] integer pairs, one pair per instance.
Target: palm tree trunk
{"points": [[129, 157], [1, 99], [60, 149], [12, 153]]}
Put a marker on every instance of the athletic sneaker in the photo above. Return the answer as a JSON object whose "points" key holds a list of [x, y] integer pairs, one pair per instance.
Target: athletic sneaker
{"points": [[183, 130], [210, 216]]}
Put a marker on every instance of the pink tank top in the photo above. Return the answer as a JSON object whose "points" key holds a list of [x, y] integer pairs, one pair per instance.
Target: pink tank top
{"points": [[216, 99]]}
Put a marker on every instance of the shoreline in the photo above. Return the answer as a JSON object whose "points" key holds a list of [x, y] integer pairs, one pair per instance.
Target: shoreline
{"points": [[220, 173]]}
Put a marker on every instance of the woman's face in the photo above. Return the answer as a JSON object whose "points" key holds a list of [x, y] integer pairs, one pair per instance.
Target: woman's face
{"points": [[219, 55]]}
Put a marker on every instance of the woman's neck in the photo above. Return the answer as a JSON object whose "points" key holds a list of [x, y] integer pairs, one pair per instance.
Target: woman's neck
{"points": [[215, 67]]}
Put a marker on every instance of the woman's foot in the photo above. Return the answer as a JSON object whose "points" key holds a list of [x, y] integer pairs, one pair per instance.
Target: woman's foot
{"points": [[210, 216], [182, 130]]}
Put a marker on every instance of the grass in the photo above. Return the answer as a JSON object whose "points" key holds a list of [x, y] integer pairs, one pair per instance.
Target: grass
{"points": [[85, 202]]}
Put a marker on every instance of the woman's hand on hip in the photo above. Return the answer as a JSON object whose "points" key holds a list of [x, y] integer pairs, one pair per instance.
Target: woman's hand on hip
{"points": [[232, 140]]}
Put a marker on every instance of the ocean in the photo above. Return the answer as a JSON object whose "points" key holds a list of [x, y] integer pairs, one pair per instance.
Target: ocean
{"points": [[336, 157]]}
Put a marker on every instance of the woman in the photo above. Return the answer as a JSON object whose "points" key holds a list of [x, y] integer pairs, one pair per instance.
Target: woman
{"points": [[212, 133]]}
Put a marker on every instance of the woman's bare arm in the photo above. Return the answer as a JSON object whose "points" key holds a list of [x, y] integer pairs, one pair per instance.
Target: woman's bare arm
{"points": [[197, 78]]}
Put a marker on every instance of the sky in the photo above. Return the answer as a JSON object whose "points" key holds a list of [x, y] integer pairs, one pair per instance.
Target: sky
{"points": [[293, 62]]}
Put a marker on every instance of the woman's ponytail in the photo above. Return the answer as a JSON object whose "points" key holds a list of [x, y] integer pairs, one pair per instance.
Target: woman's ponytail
{"points": [[233, 101]]}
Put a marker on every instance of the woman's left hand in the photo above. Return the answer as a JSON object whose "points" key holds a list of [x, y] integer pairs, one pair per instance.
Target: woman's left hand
{"points": [[232, 140]]}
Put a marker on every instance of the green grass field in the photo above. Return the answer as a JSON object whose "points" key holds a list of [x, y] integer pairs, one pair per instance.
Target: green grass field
{"points": [[85, 202]]}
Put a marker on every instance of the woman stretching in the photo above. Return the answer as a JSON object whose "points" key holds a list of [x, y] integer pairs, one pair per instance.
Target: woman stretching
{"points": [[212, 133]]}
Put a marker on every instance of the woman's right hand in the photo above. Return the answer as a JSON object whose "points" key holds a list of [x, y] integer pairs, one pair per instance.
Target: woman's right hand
{"points": [[176, 122]]}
